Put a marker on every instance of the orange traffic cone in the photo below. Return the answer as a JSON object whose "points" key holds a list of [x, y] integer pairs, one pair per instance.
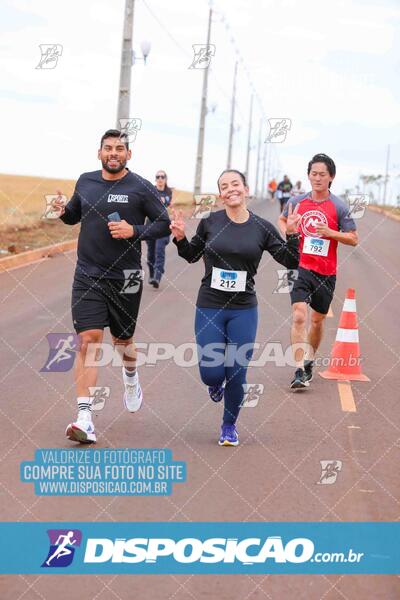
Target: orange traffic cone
{"points": [[345, 356]]}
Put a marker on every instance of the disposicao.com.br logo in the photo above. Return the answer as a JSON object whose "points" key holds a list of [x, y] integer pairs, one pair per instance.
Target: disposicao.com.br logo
{"points": [[247, 551], [201, 547]]}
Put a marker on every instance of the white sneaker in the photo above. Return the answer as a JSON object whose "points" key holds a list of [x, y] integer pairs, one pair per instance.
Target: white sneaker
{"points": [[133, 395], [82, 430]]}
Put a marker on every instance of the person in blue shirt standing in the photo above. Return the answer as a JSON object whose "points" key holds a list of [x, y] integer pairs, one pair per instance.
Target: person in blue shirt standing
{"points": [[156, 248]]}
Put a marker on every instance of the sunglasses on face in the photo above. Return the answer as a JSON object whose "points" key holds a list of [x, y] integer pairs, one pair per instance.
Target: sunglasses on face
{"points": [[160, 176]]}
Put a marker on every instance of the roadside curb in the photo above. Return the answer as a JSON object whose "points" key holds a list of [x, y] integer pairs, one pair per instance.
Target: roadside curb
{"points": [[388, 213], [25, 258]]}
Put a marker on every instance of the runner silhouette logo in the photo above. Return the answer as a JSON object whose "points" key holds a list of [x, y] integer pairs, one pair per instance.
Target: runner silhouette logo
{"points": [[62, 350], [62, 547]]}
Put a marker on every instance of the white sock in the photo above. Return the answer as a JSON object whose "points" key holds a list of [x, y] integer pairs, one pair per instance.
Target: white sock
{"points": [[130, 373], [85, 406]]}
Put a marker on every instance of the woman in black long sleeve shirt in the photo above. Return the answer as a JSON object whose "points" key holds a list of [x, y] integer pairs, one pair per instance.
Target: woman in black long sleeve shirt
{"points": [[231, 242]]}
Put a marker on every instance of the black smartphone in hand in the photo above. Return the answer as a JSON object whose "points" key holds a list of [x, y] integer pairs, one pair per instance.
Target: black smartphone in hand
{"points": [[113, 217]]}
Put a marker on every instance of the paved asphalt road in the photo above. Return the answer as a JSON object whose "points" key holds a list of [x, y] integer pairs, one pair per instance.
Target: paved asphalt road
{"points": [[271, 476]]}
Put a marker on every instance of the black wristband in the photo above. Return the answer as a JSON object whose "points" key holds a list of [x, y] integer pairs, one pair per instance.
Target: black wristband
{"points": [[177, 242]]}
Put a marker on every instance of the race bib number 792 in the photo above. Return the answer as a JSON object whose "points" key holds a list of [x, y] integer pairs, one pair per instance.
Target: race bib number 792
{"points": [[316, 246]]}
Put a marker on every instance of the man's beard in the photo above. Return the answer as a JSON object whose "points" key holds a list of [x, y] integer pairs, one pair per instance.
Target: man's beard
{"points": [[109, 169]]}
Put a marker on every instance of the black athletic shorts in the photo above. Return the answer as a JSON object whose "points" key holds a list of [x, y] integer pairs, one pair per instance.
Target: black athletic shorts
{"points": [[315, 289], [98, 303], [283, 202]]}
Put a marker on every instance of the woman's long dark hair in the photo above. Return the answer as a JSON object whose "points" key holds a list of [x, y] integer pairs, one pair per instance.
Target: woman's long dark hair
{"points": [[167, 189]]}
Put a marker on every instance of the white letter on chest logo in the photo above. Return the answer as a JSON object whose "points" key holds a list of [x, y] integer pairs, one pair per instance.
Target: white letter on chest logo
{"points": [[121, 198]]}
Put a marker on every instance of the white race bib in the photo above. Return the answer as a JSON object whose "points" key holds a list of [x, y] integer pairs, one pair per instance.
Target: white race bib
{"points": [[228, 281], [316, 245]]}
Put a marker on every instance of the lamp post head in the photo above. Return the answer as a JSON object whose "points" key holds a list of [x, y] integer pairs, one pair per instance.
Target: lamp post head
{"points": [[145, 47]]}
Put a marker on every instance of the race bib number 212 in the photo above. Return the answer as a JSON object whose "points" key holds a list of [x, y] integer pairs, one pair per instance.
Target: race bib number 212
{"points": [[228, 281]]}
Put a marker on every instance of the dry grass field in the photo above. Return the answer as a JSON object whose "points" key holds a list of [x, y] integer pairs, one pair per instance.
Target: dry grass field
{"points": [[387, 208], [22, 199]]}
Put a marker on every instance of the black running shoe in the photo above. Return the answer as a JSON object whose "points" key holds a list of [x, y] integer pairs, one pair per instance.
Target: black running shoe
{"points": [[155, 283], [308, 367], [299, 382], [216, 392]]}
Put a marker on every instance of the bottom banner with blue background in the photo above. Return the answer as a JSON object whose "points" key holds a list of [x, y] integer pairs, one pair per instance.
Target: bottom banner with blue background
{"points": [[191, 548]]}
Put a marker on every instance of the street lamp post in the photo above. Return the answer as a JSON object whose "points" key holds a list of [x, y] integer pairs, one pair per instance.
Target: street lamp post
{"points": [[249, 139], [232, 124], [202, 123], [128, 58], [264, 167], [258, 159]]}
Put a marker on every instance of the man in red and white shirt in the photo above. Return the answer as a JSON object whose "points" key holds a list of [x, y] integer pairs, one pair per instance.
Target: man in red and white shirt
{"points": [[325, 222]]}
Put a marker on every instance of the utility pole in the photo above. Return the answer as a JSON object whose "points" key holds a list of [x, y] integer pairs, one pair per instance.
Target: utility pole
{"points": [[269, 164], [386, 174], [258, 158], [202, 123], [232, 125], [249, 139], [124, 92], [263, 191]]}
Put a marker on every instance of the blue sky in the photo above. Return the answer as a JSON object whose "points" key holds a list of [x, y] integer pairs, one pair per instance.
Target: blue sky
{"points": [[333, 69]]}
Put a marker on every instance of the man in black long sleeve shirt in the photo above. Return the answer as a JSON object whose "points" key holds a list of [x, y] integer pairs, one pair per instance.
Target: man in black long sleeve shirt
{"points": [[111, 205], [94, 198]]}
